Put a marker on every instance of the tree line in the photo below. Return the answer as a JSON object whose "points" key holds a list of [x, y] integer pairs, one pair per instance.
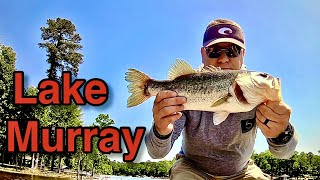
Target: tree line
{"points": [[299, 164]]}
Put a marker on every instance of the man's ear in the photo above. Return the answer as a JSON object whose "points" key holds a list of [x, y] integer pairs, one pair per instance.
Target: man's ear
{"points": [[242, 53], [203, 53]]}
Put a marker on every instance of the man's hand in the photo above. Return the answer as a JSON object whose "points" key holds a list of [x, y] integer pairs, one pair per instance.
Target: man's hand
{"points": [[273, 118], [167, 109]]}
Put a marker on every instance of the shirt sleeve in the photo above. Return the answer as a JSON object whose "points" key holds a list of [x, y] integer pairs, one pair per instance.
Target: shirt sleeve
{"points": [[159, 148], [284, 151]]}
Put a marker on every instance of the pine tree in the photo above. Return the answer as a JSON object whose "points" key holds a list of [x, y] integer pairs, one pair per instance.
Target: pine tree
{"points": [[62, 44]]}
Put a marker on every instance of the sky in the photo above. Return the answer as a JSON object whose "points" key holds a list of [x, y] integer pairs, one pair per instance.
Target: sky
{"points": [[282, 38]]}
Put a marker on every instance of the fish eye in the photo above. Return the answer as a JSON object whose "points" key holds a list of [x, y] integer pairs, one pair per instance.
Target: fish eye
{"points": [[263, 75]]}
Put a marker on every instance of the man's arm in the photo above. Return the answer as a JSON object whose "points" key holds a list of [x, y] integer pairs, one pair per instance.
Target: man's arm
{"points": [[167, 110], [159, 146], [284, 145], [273, 120]]}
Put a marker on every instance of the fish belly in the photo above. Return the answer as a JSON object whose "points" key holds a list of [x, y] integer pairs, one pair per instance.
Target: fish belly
{"points": [[205, 104]]}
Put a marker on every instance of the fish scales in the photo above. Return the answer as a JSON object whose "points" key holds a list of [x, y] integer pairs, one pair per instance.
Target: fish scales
{"points": [[195, 84]]}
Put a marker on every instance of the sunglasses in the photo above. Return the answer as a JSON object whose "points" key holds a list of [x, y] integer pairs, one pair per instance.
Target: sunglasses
{"points": [[216, 51]]}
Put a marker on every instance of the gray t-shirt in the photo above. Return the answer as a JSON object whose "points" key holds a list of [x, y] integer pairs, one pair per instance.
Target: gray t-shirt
{"points": [[223, 149]]}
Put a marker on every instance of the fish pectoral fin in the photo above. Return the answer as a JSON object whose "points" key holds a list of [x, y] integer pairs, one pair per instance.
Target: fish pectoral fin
{"points": [[179, 68], [219, 117], [220, 101]]}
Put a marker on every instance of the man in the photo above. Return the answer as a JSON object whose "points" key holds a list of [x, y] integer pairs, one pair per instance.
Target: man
{"points": [[219, 151]]}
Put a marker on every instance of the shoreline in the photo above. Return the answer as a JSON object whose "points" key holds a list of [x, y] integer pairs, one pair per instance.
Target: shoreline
{"points": [[69, 175], [36, 172]]}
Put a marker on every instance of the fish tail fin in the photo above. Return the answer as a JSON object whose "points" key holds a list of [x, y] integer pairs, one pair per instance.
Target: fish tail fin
{"points": [[137, 86]]}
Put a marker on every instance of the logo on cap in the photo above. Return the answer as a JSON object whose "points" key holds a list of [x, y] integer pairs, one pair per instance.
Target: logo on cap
{"points": [[225, 31]]}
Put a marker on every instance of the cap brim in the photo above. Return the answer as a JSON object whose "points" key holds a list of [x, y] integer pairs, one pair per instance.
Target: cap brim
{"points": [[230, 40]]}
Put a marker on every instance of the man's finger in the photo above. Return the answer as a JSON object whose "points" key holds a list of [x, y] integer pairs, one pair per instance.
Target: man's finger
{"points": [[172, 118], [264, 129], [164, 94], [260, 117], [271, 129], [262, 126], [278, 107], [274, 130], [171, 102], [169, 110], [165, 121], [270, 114]]}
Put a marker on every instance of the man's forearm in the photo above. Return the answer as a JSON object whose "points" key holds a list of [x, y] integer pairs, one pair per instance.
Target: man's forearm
{"points": [[157, 147], [284, 150]]}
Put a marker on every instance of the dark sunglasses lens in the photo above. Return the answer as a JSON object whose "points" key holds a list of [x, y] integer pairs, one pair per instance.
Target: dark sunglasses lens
{"points": [[232, 53], [214, 54]]}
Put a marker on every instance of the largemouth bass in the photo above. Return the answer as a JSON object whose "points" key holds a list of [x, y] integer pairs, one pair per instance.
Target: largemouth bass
{"points": [[208, 88]]}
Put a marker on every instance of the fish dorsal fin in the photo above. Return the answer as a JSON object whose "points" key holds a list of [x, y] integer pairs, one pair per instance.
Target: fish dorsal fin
{"points": [[210, 69], [213, 68], [179, 68], [200, 68]]}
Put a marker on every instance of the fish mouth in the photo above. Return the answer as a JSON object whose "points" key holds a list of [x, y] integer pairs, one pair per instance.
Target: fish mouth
{"points": [[239, 94]]}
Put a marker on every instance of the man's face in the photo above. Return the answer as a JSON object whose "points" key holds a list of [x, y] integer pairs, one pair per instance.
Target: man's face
{"points": [[223, 55]]}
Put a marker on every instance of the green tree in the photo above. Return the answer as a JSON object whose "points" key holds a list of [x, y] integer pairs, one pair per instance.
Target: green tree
{"points": [[78, 157], [96, 158], [7, 110], [103, 120], [298, 165], [63, 116], [62, 44], [316, 165], [40, 113], [163, 168], [94, 161]]}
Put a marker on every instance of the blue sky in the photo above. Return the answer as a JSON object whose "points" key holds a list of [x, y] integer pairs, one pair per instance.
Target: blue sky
{"points": [[282, 38]]}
